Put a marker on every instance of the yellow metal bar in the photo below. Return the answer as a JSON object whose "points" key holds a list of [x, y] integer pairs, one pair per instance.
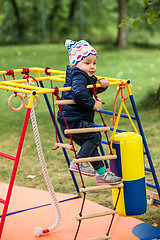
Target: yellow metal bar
{"points": [[31, 100], [46, 90], [13, 81], [129, 90], [118, 118], [15, 89], [113, 79], [51, 71], [17, 70], [99, 77], [63, 89], [62, 73], [39, 89], [38, 74], [20, 85], [125, 108], [60, 77], [55, 78], [117, 122]]}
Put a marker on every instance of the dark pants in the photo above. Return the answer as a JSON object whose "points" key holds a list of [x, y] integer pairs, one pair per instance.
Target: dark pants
{"points": [[89, 142]]}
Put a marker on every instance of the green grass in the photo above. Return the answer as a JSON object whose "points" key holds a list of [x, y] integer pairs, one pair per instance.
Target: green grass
{"points": [[139, 65]]}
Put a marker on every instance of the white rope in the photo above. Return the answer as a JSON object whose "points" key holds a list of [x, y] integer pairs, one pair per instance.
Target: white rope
{"points": [[39, 231]]}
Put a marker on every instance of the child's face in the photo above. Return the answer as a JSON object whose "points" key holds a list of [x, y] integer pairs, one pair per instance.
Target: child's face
{"points": [[88, 65]]}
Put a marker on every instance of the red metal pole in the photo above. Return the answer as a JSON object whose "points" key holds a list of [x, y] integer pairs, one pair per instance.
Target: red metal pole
{"points": [[19, 150]]}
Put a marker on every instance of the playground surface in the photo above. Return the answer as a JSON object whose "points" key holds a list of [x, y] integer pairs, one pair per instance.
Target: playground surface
{"points": [[31, 208]]}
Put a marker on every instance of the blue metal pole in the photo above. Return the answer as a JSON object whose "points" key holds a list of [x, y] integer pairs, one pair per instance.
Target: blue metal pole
{"points": [[60, 139], [111, 128], [145, 144], [116, 114]]}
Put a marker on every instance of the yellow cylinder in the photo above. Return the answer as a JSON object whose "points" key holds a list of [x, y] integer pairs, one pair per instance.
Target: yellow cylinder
{"points": [[128, 147]]}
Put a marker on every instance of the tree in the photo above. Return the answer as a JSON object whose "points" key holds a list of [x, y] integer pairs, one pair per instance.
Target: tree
{"points": [[152, 10], [18, 19], [122, 36]]}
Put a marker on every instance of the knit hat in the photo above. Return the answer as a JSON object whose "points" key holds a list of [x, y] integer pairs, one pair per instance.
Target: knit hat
{"points": [[79, 50]]}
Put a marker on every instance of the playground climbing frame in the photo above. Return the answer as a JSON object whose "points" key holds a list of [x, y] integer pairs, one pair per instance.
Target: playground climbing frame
{"points": [[18, 86]]}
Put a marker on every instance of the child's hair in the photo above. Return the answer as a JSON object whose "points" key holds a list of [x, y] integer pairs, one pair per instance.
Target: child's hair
{"points": [[72, 66], [78, 51]]}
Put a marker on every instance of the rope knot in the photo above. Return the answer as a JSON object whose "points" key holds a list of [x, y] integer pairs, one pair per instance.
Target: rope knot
{"points": [[94, 90], [25, 71], [15, 93], [46, 71], [56, 92], [121, 87], [10, 72]]}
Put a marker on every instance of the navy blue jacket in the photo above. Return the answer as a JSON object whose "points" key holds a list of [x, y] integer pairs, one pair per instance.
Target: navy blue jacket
{"points": [[83, 109]]}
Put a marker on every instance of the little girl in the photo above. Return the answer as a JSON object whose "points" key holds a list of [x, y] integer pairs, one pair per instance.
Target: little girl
{"points": [[79, 74]]}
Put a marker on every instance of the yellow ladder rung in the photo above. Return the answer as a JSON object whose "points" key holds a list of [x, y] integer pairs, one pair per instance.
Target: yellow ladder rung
{"points": [[100, 214], [64, 102], [94, 159], [63, 145], [101, 238], [85, 130], [101, 187]]}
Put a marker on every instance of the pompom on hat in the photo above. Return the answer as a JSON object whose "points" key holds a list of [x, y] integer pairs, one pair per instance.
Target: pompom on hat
{"points": [[79, 50]]}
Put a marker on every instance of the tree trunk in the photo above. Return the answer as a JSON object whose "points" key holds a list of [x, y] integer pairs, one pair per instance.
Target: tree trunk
{"points": [[122, 32], [18, 20], [51, 17], [72, 10]]}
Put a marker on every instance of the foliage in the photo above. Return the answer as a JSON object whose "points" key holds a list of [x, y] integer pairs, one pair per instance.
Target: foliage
{"points": [[152, 8], [150, 11], [25, 21]]}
